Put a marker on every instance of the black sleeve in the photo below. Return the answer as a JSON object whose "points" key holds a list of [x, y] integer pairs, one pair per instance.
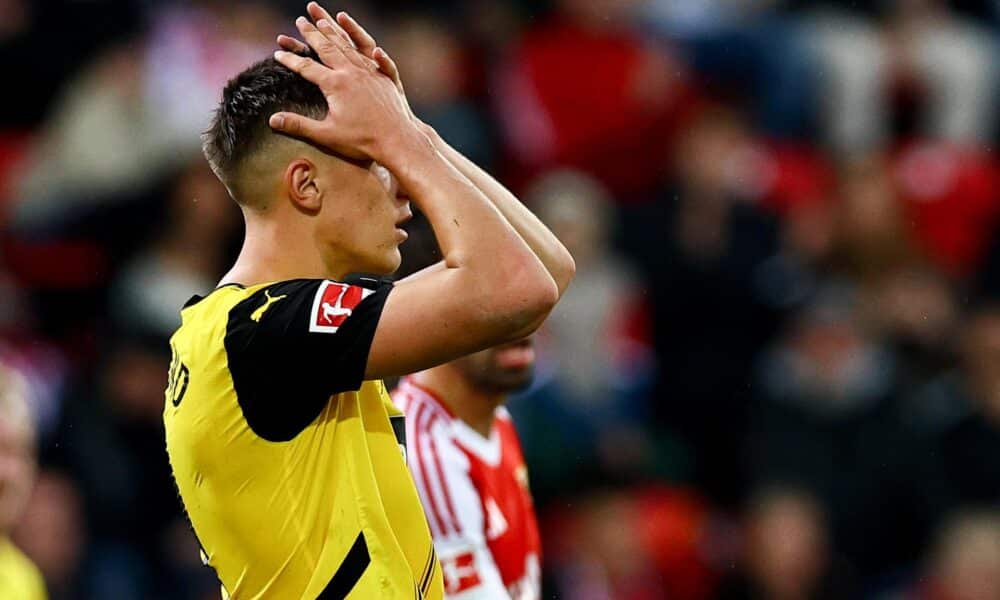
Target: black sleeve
{"points": [[291, 345]]}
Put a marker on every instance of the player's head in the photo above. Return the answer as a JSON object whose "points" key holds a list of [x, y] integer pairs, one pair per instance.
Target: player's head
{"points": [[501, 369], [351, 208], [17, 448]]}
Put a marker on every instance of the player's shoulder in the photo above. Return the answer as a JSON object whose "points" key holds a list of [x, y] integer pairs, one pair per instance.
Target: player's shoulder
{"points": [[204, 318], [414, 398], [200, 308], [230, 297], [320, 305]]}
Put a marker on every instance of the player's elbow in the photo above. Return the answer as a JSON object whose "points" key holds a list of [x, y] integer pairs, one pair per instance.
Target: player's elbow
{"points": [[564, 271], [523, 303], [542, 298]]}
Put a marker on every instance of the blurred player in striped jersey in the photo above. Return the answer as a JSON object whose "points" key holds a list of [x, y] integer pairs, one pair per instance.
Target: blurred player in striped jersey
{"points": [[466, 460]]}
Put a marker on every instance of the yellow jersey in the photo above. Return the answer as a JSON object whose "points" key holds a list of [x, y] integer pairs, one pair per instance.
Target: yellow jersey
{"points": [[19, 577], [291, 468]]}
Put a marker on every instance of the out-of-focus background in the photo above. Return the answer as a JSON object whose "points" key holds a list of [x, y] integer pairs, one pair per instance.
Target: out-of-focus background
{"points": [[776, 376]]}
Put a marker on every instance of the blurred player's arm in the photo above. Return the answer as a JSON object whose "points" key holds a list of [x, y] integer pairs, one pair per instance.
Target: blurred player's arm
{"points": [[543, 243], [493, 289]]}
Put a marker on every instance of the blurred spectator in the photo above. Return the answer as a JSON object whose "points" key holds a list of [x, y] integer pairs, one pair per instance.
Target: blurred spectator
{"points": [[704, 248], [950, 193], [825, 422], [44, 369], [188, 258], [140, 109], [101, 141], [52, 532], [19, 578], [787, 553], [70, 31], [961, 415], [632, 544], [193, 49], [919, 47], [964, 563], [826, 374], [598, 334], [583, 90], [917, 313], [745, 53], [874, 236], [595, 361], [430, 61], [111, 441]]}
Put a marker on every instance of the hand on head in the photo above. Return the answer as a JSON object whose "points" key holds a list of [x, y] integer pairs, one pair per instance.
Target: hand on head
{"points": [[360, 81]]}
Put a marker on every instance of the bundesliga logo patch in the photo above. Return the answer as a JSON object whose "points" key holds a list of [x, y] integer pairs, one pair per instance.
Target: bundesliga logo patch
{"points": [[333, 304], [460, 572]]}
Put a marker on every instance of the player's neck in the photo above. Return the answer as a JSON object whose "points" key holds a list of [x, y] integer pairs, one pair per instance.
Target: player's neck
{"points": [[470, 404], [270, 253]]}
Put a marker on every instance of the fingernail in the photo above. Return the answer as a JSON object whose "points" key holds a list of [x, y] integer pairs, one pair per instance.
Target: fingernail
{"points": [[277, 121], [323, 23], [278, 54], [301, 21]]}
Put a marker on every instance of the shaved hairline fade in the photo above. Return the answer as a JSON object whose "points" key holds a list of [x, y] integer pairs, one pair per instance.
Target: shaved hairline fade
{"points": [[239, 128]]}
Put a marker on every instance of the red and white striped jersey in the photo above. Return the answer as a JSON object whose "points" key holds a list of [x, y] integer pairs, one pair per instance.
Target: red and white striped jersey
{"points": [[475, 494]]}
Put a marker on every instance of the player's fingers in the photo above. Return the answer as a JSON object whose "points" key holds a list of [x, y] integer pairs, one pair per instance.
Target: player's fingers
{"points": [[291, 44], [331, 52], [361, 38], [317, 12], [309, 69], [295, 125], [386, 64], [335, 33]]}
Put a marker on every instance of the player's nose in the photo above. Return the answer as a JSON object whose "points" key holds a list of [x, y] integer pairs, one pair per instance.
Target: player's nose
{"points": [[395, 190]]}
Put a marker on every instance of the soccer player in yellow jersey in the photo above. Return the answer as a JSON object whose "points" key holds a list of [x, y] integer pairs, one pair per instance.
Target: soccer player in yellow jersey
{"points": [[284, 445], [19, 577]]}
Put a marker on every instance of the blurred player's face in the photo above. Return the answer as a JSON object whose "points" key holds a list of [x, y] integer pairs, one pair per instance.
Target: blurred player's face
{"points": [[17, 472], [501, 369], [361, 218]]}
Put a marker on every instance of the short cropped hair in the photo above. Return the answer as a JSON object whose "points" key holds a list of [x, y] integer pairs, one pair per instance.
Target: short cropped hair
{"points": [[239, 127]]}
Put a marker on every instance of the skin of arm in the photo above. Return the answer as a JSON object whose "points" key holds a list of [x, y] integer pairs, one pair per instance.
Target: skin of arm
{"points": [[493, 287], [543, 243]]}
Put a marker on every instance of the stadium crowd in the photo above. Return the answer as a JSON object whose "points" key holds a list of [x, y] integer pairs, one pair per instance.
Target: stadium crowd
{"points": [[776, 376]]}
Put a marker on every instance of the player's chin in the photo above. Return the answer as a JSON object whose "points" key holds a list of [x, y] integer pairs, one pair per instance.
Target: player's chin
{"points": [[516, 378], [389, 262]]}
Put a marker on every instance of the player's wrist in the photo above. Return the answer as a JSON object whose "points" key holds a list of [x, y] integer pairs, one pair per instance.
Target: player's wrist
{"points": [[404, 148], [428, 131]]}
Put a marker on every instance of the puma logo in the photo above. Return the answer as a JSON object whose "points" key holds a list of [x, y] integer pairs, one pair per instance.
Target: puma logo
{"points": [[256, 315]]}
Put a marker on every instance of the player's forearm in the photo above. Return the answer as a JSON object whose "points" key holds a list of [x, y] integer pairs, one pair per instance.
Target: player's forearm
{"points": [[546, 246], [471, 231]]}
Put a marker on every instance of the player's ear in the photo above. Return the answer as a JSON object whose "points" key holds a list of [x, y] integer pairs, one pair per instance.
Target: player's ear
{"points": [[300, 180]]}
